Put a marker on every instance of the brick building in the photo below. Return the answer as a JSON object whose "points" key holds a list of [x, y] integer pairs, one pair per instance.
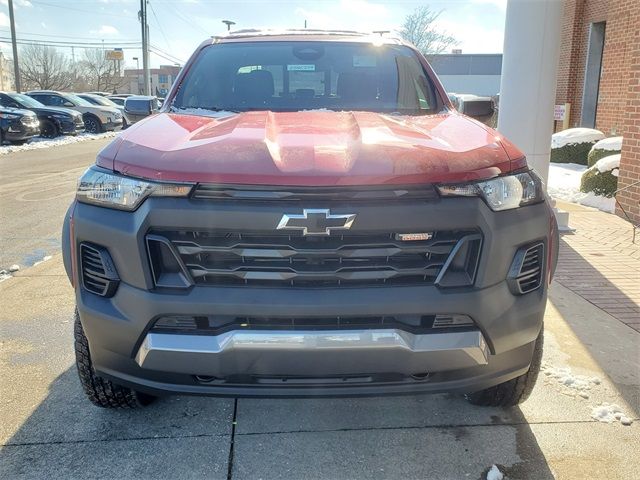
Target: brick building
{"points": [[161, 79], [599, 76]]}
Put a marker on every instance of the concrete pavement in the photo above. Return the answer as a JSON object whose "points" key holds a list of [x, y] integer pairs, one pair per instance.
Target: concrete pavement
{"points": [[36, 187], [49, 430]]}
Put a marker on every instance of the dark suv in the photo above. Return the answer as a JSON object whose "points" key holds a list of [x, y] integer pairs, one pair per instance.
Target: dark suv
{"points": [[308, 215], [53, 121], [17, 126]]}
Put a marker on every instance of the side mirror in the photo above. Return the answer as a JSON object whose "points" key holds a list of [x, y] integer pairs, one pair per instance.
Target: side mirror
{"points": [[479, 107], [67, 103]]}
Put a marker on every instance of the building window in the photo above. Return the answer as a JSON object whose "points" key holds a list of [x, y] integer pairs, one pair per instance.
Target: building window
{"points": [[163, 78], [593, 70]]}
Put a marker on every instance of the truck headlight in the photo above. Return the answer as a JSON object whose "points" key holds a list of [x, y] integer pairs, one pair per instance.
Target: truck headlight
{"points": [[106, 189], [500, 193]]}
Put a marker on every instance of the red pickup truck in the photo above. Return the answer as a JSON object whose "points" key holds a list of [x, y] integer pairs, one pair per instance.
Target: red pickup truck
{"points": [[308, 215]]}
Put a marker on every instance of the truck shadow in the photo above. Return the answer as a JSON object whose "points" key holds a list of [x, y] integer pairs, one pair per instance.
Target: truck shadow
{"points": [[436, 436], [610, 343]]}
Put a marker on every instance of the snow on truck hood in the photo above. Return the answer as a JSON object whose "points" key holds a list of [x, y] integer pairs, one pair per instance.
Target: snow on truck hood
{"points": [[309, 148]]}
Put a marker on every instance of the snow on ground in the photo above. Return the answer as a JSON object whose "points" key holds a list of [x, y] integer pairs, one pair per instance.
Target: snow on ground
{"points": [[575, 135], [40, 142], [564, 184], [608, 413], [494, 473], [571, 384], [611, 143]]}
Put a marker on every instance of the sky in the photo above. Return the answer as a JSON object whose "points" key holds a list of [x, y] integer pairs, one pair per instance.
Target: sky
{"points": [[177, 27]]}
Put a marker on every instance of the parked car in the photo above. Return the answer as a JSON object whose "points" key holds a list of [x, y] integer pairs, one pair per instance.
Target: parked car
{"points": [[53, 121], [117, 100], [105, 102], [138, 107], [308, 215], [17, 125], [96, 118], [101, 94]]}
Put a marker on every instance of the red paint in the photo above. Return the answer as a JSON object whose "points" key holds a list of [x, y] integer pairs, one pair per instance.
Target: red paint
{"points": [[309, 148]]}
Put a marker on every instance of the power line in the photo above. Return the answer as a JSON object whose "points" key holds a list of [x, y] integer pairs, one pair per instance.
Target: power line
{"points": [[68, 45], [159, 26], [191, 22], [3, 30], [165, 52], [93, 12], [165, 55]]}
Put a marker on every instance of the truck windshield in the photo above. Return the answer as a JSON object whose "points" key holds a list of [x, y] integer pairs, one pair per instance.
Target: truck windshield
{"points": [[292, 76]]}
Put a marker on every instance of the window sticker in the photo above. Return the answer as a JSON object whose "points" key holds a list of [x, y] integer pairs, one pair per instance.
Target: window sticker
{"points": [[301, 68], [364, 61]]}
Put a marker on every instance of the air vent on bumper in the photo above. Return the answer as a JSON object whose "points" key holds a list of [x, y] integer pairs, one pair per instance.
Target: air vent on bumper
{"points": [[526, 272], [98, 272]]}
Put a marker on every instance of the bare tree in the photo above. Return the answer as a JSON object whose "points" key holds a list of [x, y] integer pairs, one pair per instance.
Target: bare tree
{"points": [[98, 73], [419, 28], [45, 68]]}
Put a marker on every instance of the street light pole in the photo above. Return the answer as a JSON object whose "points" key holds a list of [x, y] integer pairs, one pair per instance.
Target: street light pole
{"points": [[14, 45], [145, 45], [228, 23]]}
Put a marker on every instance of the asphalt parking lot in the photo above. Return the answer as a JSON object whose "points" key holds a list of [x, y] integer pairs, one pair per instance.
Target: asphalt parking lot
{"points": [[49, 430]]}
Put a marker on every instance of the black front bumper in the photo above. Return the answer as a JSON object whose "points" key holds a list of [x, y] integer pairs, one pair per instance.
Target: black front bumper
{"points": [[69, 127], [118, 327], [18, 131]]}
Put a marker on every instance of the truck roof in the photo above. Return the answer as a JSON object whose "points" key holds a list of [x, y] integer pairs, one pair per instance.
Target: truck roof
{"points": [[378, 37]]}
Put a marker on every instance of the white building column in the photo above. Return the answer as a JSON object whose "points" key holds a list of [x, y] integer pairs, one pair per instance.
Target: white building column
{"points": [[529, 77]]}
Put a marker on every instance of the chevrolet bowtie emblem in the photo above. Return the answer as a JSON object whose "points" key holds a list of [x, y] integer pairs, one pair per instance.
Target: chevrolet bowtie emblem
{"points": [[316, 222]]}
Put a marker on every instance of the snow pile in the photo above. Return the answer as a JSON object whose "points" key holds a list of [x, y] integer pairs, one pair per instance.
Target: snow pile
{"points": [[571, 383], [575, 135], [494, 473], [564, 184], [612, 144], [44, 259], [608, 413], [203, 112], [41, 142], [609, 163]]}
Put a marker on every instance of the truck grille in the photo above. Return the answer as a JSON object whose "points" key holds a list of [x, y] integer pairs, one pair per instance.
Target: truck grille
{"points": [[275, 258], [217, 324]]}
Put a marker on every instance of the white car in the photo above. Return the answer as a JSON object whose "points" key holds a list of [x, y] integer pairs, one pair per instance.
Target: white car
{"points": [[97, 118], [96, 99]]}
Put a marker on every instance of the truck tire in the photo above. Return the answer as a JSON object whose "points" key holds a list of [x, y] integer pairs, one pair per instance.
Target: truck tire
{"points": [[100, 391], [515, 391]]}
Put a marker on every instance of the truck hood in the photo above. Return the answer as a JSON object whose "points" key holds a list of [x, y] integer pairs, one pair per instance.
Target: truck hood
{"points": [[308, 148]]}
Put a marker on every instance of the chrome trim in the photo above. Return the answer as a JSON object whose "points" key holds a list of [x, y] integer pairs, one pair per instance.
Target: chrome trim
{"points": [[347, 221], [310, 353]]}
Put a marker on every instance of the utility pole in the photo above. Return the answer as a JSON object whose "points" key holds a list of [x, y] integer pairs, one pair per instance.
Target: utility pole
{"points": [[145, 46], [14, 44]]}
